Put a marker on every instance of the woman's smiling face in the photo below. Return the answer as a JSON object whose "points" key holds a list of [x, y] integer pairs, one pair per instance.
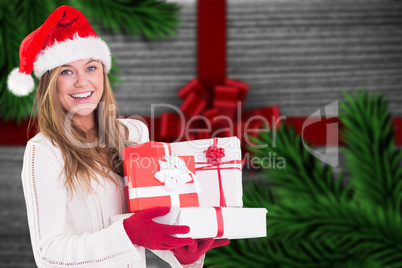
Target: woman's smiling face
{"points": [[80, 86]]}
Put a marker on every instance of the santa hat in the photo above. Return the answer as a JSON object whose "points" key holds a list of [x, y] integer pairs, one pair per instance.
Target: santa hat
{"points": [[66, 36]]}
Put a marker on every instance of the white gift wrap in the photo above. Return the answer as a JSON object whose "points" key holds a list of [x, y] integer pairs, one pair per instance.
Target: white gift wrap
{"points": [[238, 223], [208, 179]]}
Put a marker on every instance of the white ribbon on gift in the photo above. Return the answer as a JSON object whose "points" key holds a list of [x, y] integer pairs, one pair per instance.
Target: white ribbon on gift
{"points": [[182, 166], [173, 173], [173, 166]]}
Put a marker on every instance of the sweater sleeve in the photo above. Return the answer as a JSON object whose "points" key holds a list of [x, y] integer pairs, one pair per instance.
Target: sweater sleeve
{"points": [[46, 200]]}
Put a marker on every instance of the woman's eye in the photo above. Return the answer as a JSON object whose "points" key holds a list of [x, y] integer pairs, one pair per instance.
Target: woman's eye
{"points": [[92, 68], [65, 72]]}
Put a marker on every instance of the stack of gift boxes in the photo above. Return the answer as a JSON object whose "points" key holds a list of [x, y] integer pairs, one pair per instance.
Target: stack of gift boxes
{"points": [[201, 180]]}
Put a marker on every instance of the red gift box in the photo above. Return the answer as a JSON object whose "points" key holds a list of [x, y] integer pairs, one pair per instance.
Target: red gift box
{"points": [[155, 178]]}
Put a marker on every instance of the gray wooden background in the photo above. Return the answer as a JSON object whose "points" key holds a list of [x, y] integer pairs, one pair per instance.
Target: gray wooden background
{"points": [[299, 55]]}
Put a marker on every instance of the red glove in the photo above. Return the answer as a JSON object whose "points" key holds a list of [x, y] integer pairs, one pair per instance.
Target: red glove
{"points": [[143, 231], [191, 253]]}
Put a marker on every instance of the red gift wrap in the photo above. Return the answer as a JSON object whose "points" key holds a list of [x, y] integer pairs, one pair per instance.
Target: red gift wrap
{"points": [[156, 178]]}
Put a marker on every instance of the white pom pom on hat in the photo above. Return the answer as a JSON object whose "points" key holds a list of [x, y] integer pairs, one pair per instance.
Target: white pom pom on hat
{"points": [[20, 84], [66, 36]]}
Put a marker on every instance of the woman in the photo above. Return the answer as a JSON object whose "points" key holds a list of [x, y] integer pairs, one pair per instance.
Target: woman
{"points": [[72, 173]]}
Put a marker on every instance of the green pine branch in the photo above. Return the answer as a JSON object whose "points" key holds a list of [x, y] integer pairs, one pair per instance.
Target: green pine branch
{"points": [[11, 32], [265, 253], [312, 234], [154, 19], [304, 176], [370, 154], [312, 220], [360, 229], [32, 14]]}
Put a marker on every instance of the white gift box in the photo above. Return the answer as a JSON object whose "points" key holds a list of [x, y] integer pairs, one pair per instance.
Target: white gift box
{"points": [[236, 223], [229, 171]]}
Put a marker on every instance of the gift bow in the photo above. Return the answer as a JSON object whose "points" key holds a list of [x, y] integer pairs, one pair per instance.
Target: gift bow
{"points": [[173, 173]]}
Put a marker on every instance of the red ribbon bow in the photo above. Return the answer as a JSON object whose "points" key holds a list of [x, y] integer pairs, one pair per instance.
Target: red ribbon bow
{"points": [[214, 154]]}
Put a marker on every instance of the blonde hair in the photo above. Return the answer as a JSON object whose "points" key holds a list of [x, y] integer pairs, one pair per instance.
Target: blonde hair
{"points": [[82, 162]]}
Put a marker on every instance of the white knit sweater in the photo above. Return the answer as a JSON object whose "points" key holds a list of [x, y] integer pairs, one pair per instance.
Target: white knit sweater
{"points": [[75, 230]]}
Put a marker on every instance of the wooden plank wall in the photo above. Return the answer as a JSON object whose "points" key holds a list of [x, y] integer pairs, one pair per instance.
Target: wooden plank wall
{"points": [[299, 55]]}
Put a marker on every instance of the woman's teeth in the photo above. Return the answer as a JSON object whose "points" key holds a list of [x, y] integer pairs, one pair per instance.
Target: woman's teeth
{"points": [[82, 95]]}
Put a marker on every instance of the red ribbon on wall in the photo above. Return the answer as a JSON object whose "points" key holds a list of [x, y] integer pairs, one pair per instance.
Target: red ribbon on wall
{"points": [[211, 33], [213, 97], [13, 134]]}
